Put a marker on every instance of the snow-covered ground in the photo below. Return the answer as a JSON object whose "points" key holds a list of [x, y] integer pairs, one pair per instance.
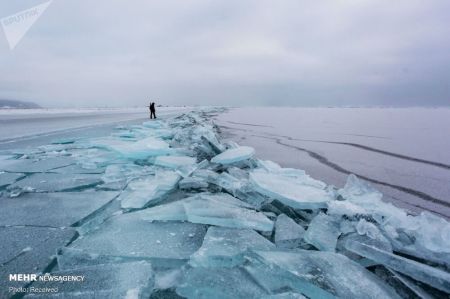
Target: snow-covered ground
{"points": [[405, 153]]}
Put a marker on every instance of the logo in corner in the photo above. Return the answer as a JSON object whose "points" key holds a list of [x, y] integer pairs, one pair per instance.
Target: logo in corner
{"points": [[17, 25]]}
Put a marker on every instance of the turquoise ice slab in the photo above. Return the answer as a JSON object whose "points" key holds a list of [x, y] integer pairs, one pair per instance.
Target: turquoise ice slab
{"points": [[316, 274], [298, 192], [55, 182], [174, 162], [60, 209], [286, 295], [7, 178], [288, 233], [219, 283], [323, 232], [125, 280], [142, 192], [141, 149], [213, 209], [126, 172], [421, 272], [29, 250], [215, 212], [222, 247], [126, 235], [193, 183], [234, 155], [33, 166], [229, 183]]}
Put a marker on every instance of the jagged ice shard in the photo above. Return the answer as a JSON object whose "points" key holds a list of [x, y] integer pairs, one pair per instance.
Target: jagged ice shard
{"points": [[167, 209], [234, 155], [220, 209], [222, 247], [298, 192], [141, 192]]}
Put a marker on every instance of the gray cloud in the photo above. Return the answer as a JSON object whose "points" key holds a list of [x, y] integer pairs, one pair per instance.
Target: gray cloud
{"points": [[328, 52]]}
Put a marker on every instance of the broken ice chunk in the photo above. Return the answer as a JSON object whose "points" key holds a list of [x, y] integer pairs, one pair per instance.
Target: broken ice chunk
{"points": [[221, 283], [222, 247], [358, 190], [229, 183], [218, 209], [104, 281], [316, 274], [323, 232], [193, 183], [186, 170], [286, 295], [173, 211], [175, 162], [9, 178], [368, 229], [141, 149], [421, 272], [410, 285], [126, 172], [55, 182], [296, 192], [344, 207], [127, 236], [141, 192], [234, 155], [288, 233], [413, 235], [216, 213]]}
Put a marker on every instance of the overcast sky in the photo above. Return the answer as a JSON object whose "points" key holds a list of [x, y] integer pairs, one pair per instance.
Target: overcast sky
{"points": [[298, 53]]}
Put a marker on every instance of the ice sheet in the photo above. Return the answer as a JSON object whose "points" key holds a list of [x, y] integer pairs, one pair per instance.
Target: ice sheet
{"points": [[54, 182], [170, 243]]}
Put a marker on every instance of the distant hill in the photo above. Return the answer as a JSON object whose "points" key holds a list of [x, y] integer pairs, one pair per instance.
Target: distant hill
{"points": [[8, 104]]}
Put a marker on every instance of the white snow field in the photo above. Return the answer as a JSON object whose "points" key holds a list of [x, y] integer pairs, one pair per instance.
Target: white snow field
{"points": [[403, 152], [167, 208]]}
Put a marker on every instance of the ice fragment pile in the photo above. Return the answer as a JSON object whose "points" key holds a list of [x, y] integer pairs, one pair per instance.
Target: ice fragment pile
{"points": [[167, 210]]}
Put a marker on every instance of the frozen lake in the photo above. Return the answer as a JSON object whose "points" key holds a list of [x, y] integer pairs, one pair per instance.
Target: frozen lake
{"points": [[405, 153], [19, 123]]}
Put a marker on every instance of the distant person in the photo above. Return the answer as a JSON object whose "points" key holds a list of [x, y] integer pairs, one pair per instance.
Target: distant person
{"points": [[152, 110]]}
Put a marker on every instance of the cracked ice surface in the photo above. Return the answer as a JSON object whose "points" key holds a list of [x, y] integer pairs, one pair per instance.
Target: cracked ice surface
{"points": [[166, 210]]}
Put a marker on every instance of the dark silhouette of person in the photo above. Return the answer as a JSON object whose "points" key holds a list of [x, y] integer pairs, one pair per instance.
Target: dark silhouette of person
{"points": [[152, 110]]}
